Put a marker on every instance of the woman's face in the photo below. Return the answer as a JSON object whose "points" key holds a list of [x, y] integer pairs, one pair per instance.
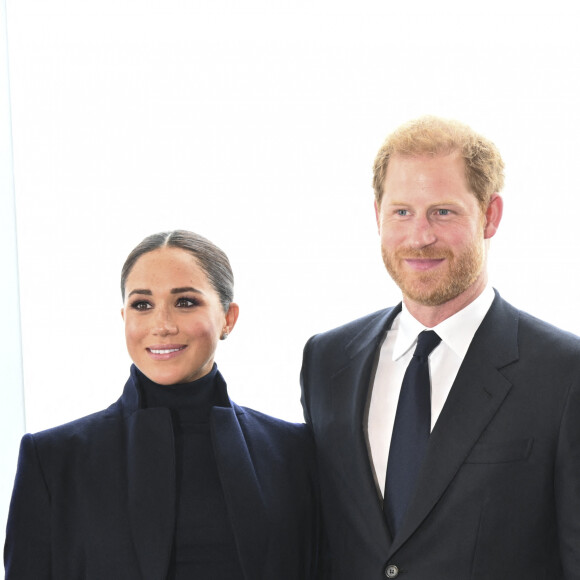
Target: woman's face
{"points": [[173, 317]]}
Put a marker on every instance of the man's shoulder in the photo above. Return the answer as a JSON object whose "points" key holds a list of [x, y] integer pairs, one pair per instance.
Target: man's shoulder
{"points": [[539, 335], [550, 336], [343, 334]]}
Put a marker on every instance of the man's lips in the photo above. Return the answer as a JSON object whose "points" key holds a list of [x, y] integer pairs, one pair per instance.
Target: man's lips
{"points": [[423, 263], [165, 351]]}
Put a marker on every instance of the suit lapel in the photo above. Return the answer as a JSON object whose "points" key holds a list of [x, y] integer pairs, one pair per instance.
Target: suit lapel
{"points": [[241, 490], [351, 387], [477, 393], [151, 489]]}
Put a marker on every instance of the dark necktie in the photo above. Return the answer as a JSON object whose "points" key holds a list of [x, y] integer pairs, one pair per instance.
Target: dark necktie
{"points": [[410, 432]]}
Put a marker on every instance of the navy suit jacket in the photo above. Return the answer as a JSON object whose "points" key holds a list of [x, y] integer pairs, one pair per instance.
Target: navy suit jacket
{"points": [[95, 499], [498, 496]]}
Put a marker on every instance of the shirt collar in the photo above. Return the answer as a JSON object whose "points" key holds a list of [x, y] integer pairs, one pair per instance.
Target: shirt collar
{"points": [[456, 332]]}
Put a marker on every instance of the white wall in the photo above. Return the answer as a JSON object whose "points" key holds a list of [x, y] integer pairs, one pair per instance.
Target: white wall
{"points": [[256, 124], [12, 407]]}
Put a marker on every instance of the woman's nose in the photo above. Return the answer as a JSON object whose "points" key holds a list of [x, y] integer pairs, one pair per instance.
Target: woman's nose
{"points": [[164, 324]]}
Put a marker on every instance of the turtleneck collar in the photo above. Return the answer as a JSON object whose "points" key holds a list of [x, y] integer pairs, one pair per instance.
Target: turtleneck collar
{"points": [[190, 401]]}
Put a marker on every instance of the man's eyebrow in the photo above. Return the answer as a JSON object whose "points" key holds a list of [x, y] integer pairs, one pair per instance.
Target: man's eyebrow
{"points": [[405, 204]]}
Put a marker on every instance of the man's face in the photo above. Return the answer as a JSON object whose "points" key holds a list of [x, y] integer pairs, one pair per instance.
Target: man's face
{"points": [[432, 228]]}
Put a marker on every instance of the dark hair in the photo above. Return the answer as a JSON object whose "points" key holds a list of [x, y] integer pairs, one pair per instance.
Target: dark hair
{"points": [[211, 259]]}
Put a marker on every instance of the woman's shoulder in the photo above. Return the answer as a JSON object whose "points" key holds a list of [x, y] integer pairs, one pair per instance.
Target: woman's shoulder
{"points": [[78, 430], [260, 423], [260, 417]]}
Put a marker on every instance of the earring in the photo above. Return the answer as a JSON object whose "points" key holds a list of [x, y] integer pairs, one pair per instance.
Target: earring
{"points": [[224, 335]]}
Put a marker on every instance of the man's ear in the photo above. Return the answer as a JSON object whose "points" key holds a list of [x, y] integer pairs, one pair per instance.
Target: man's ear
{"points": [[377, 216], [493, 215]]}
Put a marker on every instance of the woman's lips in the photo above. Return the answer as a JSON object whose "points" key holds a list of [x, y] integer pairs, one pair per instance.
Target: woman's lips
{"points": [[165, 351], [423, 263]]}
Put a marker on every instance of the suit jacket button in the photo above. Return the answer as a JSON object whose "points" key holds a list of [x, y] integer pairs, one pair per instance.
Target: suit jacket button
{"points": [[391, 571]]}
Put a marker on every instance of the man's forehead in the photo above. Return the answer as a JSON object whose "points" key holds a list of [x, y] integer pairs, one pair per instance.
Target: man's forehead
{"points": [[426, 156], [442, 176], [416, 167]]}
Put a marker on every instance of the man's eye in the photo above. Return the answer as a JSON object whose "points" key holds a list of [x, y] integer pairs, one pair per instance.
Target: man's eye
{"points": [[443, 211], [402, 212]]}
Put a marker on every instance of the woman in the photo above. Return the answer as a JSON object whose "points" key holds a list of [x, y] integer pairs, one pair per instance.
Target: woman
{"points": [[172, 481]]}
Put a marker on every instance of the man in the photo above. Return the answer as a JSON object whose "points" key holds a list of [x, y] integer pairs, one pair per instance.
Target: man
{"points": [[483, 476]]}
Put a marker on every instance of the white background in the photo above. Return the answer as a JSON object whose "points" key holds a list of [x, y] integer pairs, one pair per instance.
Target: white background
{"points": [[256, 125], [12, 406]]}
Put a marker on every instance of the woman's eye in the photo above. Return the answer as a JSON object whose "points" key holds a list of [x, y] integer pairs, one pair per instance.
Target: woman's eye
{"points": [[186, 302], [141, 305]]}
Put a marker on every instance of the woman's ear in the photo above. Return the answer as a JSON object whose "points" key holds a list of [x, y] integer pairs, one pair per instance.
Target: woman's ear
{"points": [[231, 318]]}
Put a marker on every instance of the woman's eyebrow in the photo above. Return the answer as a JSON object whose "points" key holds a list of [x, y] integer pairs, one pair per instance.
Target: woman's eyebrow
{"points": [[185, 289], [180, 290], [140, 291]]}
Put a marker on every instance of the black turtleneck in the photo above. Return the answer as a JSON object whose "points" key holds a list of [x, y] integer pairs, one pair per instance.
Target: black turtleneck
{"points": [[204, 545]]}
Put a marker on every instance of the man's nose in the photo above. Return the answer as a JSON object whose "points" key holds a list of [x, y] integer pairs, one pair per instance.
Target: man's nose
{"points": [[422, 233]]}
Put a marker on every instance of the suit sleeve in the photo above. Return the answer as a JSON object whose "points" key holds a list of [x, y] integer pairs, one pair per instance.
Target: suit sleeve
{"points": [[567, 485], [324, 571], [27, 548], [304, 398]]}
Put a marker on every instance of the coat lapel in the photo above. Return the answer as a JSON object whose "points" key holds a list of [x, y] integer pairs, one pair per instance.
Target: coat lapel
{"points": [[151, 489], [477, 393], [348, 432], [241, 489]]}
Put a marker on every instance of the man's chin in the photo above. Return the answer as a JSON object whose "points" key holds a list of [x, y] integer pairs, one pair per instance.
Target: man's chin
{"points": [[434, 298], [425, 289], [435, 294]]}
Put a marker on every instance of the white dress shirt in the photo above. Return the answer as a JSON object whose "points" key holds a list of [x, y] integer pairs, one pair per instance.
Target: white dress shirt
{"points": [[456, 334]]}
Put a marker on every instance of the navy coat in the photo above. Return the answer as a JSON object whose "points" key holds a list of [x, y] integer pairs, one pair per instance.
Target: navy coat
{"points": [[498, 495], [95, 499]]}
